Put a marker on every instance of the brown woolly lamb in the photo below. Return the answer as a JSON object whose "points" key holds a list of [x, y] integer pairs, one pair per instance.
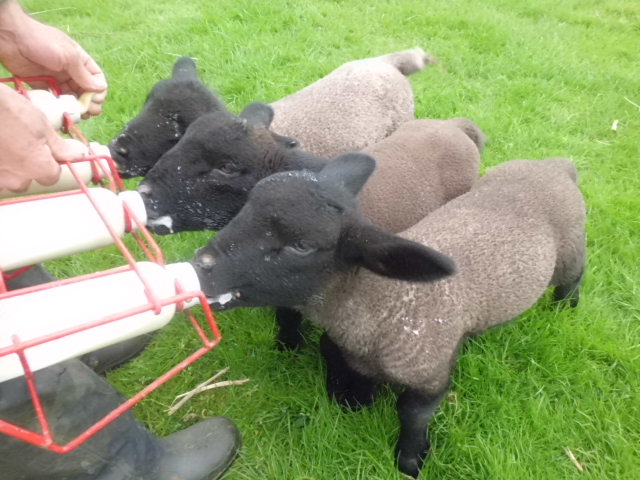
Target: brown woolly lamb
{"points": [[300, 242], [205, 179]]}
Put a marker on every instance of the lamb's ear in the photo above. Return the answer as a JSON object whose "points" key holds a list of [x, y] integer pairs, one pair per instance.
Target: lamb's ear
{"points": [[392, 256], [287, 142], [350, 170], [258, 114], [185, 69]]}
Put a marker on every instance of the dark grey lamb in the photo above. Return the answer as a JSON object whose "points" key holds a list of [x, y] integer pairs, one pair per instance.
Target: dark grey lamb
{"points": [[300, 241], [204, 180], [357, 104]]}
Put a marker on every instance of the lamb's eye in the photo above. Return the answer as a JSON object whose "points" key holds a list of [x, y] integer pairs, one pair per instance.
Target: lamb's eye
{"points": [[228, 170], [300, 248]]}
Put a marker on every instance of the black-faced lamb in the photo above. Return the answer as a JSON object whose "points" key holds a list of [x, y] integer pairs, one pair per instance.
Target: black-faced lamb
{"points": [[171, 106], [396, 308], [357, 104], [204, 180], [419, 167]]}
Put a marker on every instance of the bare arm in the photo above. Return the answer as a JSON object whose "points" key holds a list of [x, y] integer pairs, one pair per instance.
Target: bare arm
{"points": [[31, 48], [29, 146]]}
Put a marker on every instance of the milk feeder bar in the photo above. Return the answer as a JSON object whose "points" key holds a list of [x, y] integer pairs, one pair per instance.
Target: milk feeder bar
{"points": [[150, 292]]}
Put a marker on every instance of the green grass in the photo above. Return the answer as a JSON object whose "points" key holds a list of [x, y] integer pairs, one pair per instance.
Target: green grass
{"points": [[543, 78]]}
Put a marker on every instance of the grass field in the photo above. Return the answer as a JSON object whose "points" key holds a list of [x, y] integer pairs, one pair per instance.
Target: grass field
{"points": [[543, 78]]}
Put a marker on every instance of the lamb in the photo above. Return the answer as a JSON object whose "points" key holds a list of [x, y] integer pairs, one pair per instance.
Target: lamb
{"points": [[421, 166], [396, 308], [205, 179], [357, 104]]}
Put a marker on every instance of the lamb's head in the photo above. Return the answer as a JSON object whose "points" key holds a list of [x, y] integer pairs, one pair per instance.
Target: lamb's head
{"points": [[167, 112], [204, 180], [296, 231]]}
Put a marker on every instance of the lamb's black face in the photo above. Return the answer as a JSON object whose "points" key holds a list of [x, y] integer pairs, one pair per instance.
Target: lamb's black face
{"points": [[203, 181], [170, 108], [297, 229], [152, 133], [278, 250]]}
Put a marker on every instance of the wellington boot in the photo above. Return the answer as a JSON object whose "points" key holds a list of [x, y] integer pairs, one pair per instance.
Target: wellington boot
{"points": [[74, 398], [203, 451], [113, 356]]}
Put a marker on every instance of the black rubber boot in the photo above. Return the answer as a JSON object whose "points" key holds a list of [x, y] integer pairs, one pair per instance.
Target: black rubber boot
{"points": [[203, 451], [116, 355], [104, 359], [74, 397], [33, 276]]}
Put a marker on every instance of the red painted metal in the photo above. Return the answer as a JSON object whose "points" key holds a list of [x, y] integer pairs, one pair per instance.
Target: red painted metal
{"points": [[209, 335]]}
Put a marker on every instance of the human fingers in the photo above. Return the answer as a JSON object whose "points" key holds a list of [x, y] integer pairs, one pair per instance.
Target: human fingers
{"points": [[86, 73], [95, 107], [65, 149], [46, 170], [39, 165], [13, 182]]}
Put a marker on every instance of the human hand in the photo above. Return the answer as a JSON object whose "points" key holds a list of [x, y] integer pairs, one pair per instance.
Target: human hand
{"points": [[30, 48], [29, 146]]}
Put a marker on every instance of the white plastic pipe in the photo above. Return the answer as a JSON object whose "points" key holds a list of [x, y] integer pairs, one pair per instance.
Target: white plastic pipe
{"points": [[67, 180], [35, 314], [46, 228]]}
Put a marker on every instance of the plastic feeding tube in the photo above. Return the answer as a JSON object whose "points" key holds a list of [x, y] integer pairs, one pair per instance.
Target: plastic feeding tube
{"points": [[52, 227], [117, 294]]}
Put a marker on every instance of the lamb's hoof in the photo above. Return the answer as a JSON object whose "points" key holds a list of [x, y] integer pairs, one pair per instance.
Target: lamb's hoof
{"points": [[567, 295], [410, 465]]}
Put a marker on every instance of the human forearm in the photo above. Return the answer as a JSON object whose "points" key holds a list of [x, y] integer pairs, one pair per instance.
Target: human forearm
{"points": [[12, 16]]}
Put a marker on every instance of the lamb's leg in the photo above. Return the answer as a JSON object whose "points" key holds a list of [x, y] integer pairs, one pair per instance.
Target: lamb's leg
{"points": [[348, 387], [290, 335], [569, 291], [415, 411]]}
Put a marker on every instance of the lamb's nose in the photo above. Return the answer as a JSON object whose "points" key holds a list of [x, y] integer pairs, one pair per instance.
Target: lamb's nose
{"points": [[121, 150], [151, 204], [205, 261], [144, 189]]}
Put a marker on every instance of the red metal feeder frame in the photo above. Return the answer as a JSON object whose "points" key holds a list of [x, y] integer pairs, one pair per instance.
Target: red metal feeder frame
{"points": [[209, 334]]}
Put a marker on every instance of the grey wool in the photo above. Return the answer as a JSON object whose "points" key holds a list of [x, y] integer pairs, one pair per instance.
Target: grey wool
{"points": [[421, 166], [519, 230], [355, 105]]}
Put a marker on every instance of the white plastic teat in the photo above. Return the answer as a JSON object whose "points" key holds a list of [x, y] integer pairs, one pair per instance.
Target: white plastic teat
{"points": [[54, 107]]}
